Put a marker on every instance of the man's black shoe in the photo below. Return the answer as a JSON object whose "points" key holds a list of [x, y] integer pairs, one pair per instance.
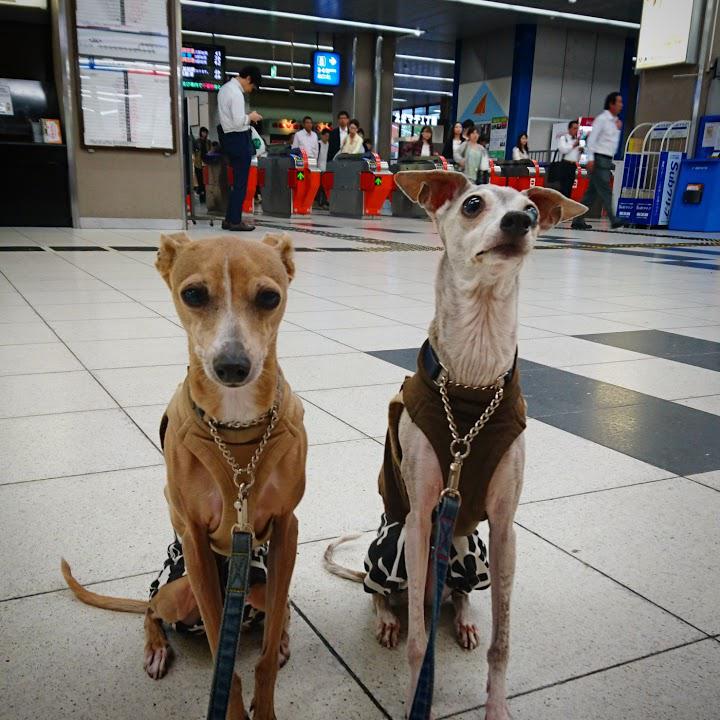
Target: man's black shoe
{"points": [[618, 224], [581, 226], [237, 227]]}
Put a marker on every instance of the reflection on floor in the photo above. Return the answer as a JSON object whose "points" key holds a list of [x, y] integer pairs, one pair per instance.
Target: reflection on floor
{"points": [[618, 585]]}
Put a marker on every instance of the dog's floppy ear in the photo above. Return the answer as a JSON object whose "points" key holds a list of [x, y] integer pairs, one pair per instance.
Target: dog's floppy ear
{"points": [[431, 188], [169, 247], [282, 243], [554, 207]]}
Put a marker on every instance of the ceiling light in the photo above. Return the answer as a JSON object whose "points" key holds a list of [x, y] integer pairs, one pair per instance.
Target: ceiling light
{"points": [[424, 77], [399, 100], [300, 16], [425, 59], [301, 92], [524, 9], [284, 77], [264, 60], [420, 91], [262, 41]]}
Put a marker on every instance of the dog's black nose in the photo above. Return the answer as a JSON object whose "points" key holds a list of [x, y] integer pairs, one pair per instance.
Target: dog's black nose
{"points": [[231, 369], [515, 223]]}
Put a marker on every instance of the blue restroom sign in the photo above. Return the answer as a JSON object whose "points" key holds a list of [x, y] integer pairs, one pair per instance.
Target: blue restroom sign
{"points": [[326, 68]]}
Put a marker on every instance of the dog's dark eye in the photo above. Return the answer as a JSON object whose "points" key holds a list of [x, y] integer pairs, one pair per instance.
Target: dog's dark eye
{"points": [[267, 299], [532, 211], [473, 206], [195, 296]]}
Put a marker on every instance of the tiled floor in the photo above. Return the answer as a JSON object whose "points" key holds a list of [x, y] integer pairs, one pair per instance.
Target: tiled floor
{"points": [[615, 610]]}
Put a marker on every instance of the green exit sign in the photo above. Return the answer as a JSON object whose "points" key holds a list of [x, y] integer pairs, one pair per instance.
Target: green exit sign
{"points": [[273, 71]]}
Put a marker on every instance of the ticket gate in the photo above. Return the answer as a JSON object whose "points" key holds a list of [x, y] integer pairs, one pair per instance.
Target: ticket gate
{"points": [[360, 185], [519, 176], [401, 204], [289, 179], [218, 178]]}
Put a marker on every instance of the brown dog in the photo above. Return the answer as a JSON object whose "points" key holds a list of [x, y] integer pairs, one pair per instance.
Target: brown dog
{"points": [[230, 294]]}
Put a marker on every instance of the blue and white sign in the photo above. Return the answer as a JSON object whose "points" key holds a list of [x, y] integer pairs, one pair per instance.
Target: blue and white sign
{"points": [[326, 68]]}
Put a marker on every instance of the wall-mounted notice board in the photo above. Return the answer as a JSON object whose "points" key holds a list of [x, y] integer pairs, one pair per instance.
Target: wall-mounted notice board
{"points": [[124, 70]]}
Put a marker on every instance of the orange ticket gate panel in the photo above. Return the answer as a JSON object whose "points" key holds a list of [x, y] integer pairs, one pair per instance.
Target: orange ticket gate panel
{"points": [[224, 175], [361, 185], [519, 176]]}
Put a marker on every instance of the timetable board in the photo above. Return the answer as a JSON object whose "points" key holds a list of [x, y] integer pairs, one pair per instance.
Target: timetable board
{"points": [[124, 73]]}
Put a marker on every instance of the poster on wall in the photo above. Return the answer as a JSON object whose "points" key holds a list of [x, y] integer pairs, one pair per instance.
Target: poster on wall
{"points": [[669, 32], [498, 137], [483, 101], [124, 73]]}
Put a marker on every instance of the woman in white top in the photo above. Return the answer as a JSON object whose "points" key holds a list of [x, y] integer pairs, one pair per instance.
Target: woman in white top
{"points": [[423, 146], [453, 143], [521, 151], [473, 157], [353, 143]]}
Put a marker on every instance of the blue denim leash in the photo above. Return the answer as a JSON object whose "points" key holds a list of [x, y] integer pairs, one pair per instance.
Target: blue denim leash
{"points": [[238, 579], [444, 526], [235, 595]]}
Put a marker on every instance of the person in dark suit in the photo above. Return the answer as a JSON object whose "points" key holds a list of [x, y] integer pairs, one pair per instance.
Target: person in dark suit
{"points": [[338, 134]]}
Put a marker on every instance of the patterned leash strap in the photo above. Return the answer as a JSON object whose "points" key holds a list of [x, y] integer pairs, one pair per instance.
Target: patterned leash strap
{"points": [[235, 595], [444, 527]]}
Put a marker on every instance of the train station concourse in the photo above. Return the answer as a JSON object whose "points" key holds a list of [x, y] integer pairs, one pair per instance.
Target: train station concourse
{"points": [[360, 361]]}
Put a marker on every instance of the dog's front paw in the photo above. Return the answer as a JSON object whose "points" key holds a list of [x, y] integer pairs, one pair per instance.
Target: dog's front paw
{"points": [[157, 659], [387, 630], [467, 634], [497, 711]]}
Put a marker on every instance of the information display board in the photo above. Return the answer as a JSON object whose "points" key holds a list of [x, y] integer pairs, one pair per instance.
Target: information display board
{"points": [[669, 32], [124, 73], [326, 68], [203, 67]]}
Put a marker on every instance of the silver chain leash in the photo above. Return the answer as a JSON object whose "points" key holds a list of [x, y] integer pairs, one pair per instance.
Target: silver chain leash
{"points": [[238, 470], [460, 446]]}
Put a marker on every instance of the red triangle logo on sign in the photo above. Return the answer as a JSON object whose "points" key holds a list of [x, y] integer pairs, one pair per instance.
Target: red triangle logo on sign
{"points": [[480, 107]]}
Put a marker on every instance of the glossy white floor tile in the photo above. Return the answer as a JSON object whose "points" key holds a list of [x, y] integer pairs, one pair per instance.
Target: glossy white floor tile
{"points": [[36, 358], [626, 533], [44, 394], [678, 684], [50, 446], [41, 632], [661, 378], [617, 566], [594, 622]]}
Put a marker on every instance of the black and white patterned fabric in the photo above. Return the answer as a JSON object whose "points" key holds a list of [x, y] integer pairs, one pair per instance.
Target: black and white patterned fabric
{"points": [[385, 562], [174, 568]]}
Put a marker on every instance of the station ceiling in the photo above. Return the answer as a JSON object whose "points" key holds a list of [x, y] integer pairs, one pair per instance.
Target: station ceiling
{"points": [[443, 21]]}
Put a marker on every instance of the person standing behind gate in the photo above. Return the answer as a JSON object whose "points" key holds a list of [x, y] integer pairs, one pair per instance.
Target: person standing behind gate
{"points": [[338, 134], [307, 138], [601, 148], [569, 152], [236, 140]]}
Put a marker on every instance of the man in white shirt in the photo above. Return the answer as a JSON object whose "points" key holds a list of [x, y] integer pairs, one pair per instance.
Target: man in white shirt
{"points": [[307, 139], [339, 133], [601, 148], [236, 140], [569, 151]]}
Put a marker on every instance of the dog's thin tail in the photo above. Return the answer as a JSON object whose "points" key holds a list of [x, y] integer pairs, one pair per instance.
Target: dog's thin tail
{"points": [[332, 567], [102, 601]]}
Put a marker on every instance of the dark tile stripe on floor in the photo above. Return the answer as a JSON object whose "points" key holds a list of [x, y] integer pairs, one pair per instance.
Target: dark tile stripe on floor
{"points": [[668, 345], [679, 439], [21, 248]]}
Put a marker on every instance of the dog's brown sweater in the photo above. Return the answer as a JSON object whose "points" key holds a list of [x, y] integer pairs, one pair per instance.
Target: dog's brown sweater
{"points": [[182, 428], [420, 396]]}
